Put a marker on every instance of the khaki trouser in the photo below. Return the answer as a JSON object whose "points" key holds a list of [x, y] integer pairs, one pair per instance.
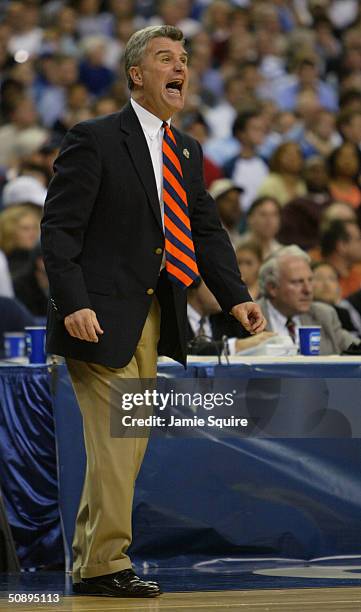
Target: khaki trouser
{"points": [[103, 528]]}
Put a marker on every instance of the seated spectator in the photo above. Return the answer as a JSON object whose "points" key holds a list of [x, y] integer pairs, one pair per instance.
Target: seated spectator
{"points": [[249, 258], [77, 108], [65, 25], [341, 247], [19, 233], [177, 14], [326, 288], [284, 182], [344, 169], [91, 20], [335, 211], [13, 318], [349, 126], [51, 97], [321, 138], [93, 72], [286, 127], [32, 286], [287, 302], [226, 196], [104, 106], [248, 170], [21, 135], [26, 34], [263, 222], [306, 76], [195, 125], [210, 331], [338, 210], [221, 117], [350, 99], [24, 190], [300, 218]]}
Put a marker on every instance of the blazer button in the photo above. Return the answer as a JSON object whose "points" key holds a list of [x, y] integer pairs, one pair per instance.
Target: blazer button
{"points": [[158, 251], [150, 291]]}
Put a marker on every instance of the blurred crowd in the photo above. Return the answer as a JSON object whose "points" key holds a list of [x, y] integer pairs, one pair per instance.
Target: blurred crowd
{"points": [[274, 99]]}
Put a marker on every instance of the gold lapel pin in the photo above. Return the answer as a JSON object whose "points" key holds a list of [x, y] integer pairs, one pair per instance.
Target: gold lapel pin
{"points": [[186, 153]]}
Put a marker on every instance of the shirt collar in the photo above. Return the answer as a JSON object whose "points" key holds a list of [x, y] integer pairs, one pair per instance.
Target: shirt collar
{"points": [[279, 317], [149, 122], [276, 314]]}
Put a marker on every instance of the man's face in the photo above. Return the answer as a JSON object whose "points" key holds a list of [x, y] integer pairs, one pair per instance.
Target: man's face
{"points": [[307, 74], [353, 130], [265, 220], [293, 293], [255, 132], [248, 264], [161, 79], [351, 249], [316, 176], [229, 209], [326, 287]]}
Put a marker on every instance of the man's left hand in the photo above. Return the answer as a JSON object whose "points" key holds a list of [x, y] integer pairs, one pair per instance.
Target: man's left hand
{"points": [[250, 315]]}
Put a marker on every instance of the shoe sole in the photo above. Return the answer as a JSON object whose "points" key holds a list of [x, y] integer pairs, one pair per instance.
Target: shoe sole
{"points": [[82, 590]]}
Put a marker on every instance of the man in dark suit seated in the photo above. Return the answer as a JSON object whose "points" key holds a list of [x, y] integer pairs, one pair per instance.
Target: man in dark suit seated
{"points": [[211, 331]]}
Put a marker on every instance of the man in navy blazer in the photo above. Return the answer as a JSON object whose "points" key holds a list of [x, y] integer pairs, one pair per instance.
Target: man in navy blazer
{"points": [[113, 307]]}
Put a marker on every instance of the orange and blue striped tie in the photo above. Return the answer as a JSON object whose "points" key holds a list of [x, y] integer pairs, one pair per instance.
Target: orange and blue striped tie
{"points": [[180, 259]]}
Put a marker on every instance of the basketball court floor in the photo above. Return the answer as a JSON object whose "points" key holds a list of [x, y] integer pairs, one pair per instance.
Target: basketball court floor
{"points": [[257, 585]]}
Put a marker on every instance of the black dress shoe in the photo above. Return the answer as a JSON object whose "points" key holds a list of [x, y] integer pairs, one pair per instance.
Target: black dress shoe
{"points": [[120, 584]]}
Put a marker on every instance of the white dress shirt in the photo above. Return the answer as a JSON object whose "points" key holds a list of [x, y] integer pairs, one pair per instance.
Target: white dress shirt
{"points": [[153, 132], [277, 322]]}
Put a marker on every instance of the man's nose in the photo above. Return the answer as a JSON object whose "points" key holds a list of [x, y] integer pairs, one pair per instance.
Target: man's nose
{"points": [[179, 66]]}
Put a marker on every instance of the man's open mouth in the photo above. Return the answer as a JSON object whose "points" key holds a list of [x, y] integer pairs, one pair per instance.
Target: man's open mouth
{"points": [[175, 87]]}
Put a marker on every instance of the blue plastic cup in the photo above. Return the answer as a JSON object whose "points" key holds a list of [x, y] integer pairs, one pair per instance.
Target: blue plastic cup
{"points": [[35, 343], [14, 344], [310, 338]]}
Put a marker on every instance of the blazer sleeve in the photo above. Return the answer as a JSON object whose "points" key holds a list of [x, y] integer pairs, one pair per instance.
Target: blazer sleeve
{"points": [[69, 204], [215, 255], [342, 337]]}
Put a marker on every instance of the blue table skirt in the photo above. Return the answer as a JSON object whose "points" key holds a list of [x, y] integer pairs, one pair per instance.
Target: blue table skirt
{"points": [[200, 497]]}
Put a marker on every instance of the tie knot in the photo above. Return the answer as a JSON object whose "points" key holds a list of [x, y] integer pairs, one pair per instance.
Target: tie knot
{"points": [[165, 125]]}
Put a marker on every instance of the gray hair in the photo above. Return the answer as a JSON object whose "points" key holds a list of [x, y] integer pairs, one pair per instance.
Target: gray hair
{"points": [[270, 270], [137, 43]]}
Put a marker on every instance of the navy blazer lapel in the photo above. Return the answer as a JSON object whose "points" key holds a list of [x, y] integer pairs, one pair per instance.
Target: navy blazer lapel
{"points": [[139, 153]]}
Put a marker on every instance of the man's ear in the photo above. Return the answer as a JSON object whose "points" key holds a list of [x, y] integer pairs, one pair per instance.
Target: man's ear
{"points": [[271, 289], [136, 75]]}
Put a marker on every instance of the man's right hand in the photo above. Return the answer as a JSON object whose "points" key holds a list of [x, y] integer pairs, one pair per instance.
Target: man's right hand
{"points": [[83, 324]]}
